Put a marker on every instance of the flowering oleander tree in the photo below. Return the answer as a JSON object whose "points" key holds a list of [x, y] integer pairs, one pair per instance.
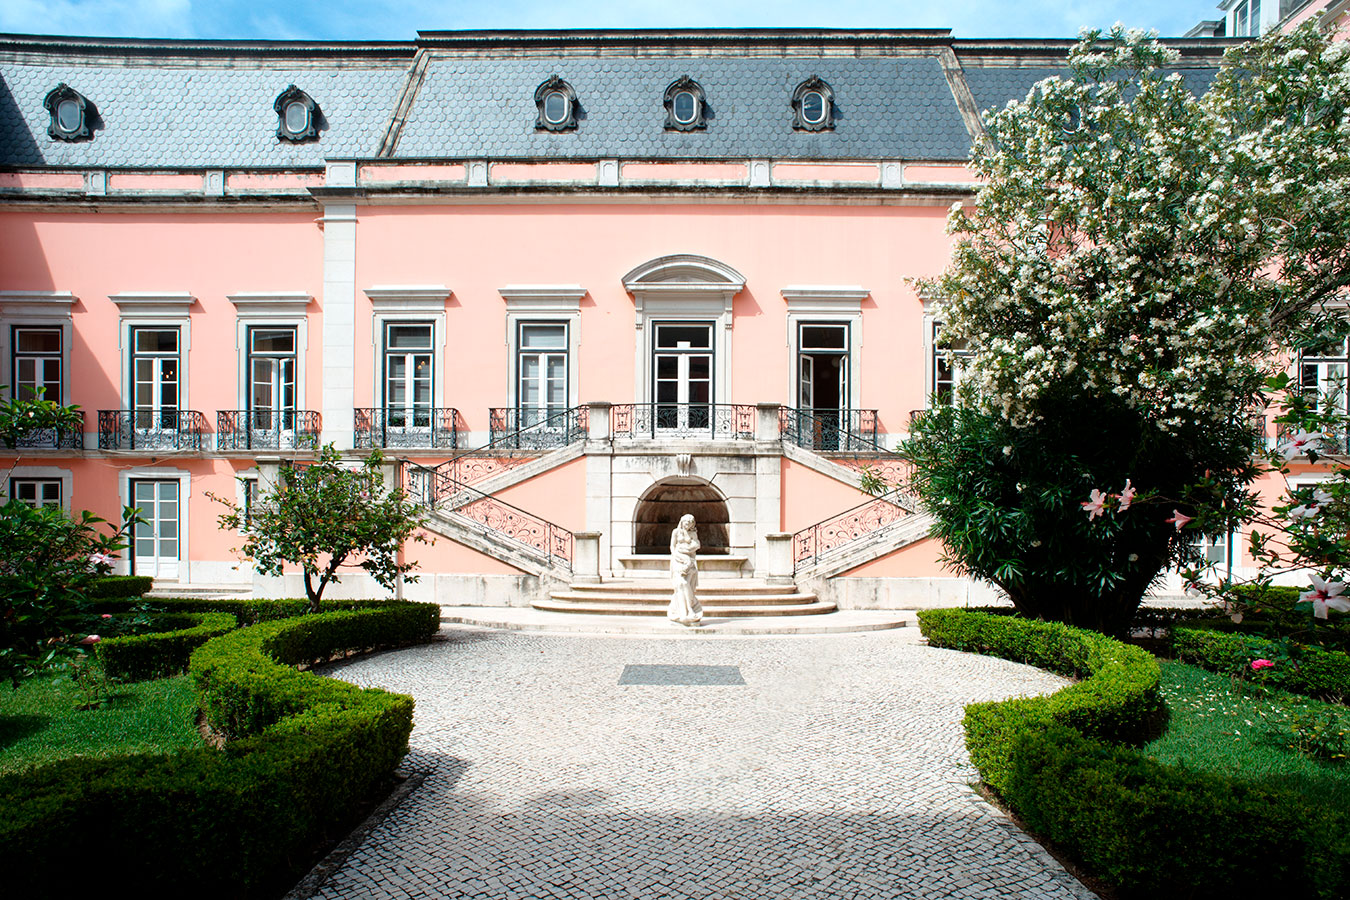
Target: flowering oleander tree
{"points": [[1138, 250]]}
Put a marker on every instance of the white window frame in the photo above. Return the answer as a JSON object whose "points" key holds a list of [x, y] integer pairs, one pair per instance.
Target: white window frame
{"points": [[153, 310], [160, 473], [42, 473], [408, 305], [36, 309], [825, 305], [275, 309], [543, 304], [683, 288]]}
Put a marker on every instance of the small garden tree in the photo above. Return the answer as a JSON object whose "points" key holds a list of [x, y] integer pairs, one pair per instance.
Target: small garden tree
{"points": [[1133, 260], [326, 515], [48, 558]]}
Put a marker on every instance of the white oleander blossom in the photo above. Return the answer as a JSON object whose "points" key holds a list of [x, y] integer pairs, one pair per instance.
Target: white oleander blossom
{"points": [[1146, 242]]}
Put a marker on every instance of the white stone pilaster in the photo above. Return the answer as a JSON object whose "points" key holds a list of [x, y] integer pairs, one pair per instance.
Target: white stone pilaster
{"points": [[338, 370]]}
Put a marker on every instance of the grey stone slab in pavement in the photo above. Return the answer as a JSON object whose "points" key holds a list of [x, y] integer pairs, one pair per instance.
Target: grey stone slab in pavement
{"points": [[836, 770]]}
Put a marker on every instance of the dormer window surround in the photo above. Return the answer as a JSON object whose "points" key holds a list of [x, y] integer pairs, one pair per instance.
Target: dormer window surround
{"points": [[813, 106], [557, 104], [297, 116], [72, 114], [685, 106]]}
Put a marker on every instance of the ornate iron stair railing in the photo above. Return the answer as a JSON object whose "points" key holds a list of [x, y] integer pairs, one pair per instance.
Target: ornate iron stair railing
{"points": [[848, 430], [824, 539], [437, 489], [514, 428], [682, 421]]}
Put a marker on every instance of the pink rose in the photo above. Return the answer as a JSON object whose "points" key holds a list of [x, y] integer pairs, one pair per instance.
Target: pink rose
{"points": [[90, 639], [106, 616], [1262, 664]]}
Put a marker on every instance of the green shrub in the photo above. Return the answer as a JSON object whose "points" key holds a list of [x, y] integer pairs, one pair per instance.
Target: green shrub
{"points": [[221, 823], [1304, 669], [1062, 764], [164, 652], [247, 610], [1117, 700], [111, 587], [1164, 831]]}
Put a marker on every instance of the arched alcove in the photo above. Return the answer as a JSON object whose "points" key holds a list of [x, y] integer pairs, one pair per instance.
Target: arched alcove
{"points": [[659, 511]]}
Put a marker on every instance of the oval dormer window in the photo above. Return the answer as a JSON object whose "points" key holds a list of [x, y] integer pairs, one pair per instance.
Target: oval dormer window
{"points": [[813, 106], [72, 114], [557, 104], [685, 106], [68, 115], [297, 116], [555, 107]]}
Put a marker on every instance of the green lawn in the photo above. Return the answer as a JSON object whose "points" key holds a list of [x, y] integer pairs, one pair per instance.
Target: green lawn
{"points": [[1219, 727], [39, 722]]}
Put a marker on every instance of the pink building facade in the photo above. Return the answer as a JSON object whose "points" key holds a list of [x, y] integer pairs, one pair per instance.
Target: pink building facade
{"points": [[574, 284]]}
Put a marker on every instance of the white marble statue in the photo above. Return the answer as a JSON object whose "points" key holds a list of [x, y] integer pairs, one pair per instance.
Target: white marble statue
{"points": [[684, 606]]}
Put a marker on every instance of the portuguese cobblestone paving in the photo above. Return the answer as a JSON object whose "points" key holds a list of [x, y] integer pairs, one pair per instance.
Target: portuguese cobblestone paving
{"points": [[836, 770]]}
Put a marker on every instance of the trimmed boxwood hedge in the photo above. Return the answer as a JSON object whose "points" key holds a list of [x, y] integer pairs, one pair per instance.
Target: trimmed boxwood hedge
{"points": [[1063, 764], [1300, 668], [306, 752], [114, 586], [165, 652], [1117, 700], [247, 610]]}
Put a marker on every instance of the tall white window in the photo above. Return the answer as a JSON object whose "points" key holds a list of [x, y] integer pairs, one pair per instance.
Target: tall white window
{"points": [[155, 385], [950, 359], [541, 371], [1324, 372], [271, 376], [408, 369], [683, 374], [37, 363]]}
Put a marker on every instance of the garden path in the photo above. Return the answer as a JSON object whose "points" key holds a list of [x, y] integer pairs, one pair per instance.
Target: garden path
{"points": [[564, 766]]}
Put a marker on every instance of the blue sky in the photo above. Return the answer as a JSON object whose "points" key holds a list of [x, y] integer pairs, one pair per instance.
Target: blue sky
{"points": [[401, 19]]}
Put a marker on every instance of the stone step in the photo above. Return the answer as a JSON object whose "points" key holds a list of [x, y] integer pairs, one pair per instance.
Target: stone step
{"points": [[163, 589], [815, 607], [662, 586], [662, 599], [658, 565]]}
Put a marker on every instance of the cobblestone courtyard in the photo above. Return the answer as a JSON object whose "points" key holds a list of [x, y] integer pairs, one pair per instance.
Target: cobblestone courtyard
{"points": [[835, 770]]}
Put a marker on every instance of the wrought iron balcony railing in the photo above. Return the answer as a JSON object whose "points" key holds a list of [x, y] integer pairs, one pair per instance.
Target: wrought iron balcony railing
{"points": [[822, 539], [150, 429], [851, 430], [698, 421], [408, 428], [437, 489], [267, 429], [51, 438], [515, 428]]}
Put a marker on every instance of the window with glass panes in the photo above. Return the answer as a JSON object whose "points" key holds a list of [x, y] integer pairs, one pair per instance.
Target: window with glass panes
{"points": [[155, 377], [271, 373], [1323, 372], [949, 364], [408, 384], [37, 363], [36, 491], [541, 371]]}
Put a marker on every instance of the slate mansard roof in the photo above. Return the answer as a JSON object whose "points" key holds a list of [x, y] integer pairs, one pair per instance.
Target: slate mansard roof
{"points": [[470, 95]]}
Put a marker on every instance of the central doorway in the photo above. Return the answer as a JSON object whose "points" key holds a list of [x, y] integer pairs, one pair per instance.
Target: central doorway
{"points": [[659, 511]]}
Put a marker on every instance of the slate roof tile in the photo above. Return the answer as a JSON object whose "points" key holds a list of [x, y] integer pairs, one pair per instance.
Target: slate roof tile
{"points": [[165, 116]]}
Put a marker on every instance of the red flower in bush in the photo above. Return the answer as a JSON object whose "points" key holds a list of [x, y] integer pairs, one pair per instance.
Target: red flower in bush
{"points": [[1262, 664]]}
